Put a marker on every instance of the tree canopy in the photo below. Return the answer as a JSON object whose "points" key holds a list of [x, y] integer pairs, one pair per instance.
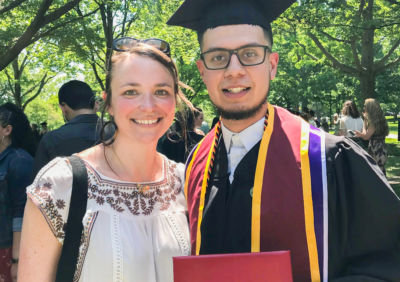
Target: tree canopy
{"points": [[330, 51]]}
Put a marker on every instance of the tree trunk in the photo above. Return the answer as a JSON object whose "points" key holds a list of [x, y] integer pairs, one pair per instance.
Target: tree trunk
{"points": [[108, 20], [367, 75], [367, 83], [17, 83]]}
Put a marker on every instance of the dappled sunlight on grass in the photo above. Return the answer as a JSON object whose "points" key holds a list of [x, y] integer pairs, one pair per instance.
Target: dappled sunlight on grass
{"points": [[392, 126], [393, 164]]}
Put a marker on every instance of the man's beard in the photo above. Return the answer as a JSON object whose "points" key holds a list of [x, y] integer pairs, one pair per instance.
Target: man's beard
{"points": [[241, 114]]}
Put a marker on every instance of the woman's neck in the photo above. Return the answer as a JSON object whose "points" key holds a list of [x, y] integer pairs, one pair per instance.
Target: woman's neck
{"points": [[4, 143], [134, 162]]}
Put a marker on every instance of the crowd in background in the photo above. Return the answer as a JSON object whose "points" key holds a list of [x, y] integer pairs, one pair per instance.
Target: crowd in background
{"points": [[368, 129]]}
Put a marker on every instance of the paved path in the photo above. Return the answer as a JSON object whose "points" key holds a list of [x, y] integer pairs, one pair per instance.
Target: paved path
{"points": [[394, 180]]}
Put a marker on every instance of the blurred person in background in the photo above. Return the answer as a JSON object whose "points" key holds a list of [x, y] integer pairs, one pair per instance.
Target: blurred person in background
{"points": [[335, 124], [351, 120], [325, 124], [77, 103], [17, 147], [43, 129], [375, 131], [198, 120], [205, 127], [180, 139]]}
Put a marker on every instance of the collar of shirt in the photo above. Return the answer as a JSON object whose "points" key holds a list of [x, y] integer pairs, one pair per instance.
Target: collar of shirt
{"points": [[84, 118], [249, 136], [5, 152]]}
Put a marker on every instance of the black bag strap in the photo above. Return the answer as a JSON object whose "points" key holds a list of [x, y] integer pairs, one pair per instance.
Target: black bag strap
{"points": [[73, 229]]}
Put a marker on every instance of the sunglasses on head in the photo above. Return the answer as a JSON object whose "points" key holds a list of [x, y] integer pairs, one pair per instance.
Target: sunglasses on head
{"points": [[125, 43]]}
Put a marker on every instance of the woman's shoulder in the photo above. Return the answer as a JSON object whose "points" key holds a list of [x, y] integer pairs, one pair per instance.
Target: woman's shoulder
{"points": [[22, 153], [92, 154], [55, 165], [51, 193], [55, 172], [19, 157], [174, 168]]}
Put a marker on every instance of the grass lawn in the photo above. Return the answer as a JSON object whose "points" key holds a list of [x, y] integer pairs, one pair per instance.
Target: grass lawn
{"points": [[393, 163], [392, 126]]}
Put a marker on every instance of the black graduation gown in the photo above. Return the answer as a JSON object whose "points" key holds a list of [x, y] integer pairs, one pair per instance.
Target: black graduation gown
{"points": [[363, 212], [226, 225]]}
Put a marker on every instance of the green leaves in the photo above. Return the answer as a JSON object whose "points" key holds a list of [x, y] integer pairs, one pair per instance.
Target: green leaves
{"points": [[325, 50]]}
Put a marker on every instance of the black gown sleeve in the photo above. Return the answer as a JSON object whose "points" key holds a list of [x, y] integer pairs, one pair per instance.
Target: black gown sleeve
{"points": [[364, 216]]}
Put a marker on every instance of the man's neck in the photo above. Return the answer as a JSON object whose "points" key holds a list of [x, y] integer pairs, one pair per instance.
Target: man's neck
{"points": [[237, 126], [73, 114]]}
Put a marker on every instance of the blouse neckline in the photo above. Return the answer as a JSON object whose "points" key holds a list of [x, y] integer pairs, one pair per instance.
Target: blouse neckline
{"points": [[104, 178]]}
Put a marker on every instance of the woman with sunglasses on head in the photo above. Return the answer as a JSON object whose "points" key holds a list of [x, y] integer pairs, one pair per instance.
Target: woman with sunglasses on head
{"points": [[17, 147], [135, 220]]}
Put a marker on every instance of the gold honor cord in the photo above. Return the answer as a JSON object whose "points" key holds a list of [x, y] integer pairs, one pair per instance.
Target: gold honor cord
{"points": [[308, 202], [202, 199], [189, 169], [258, 182]]}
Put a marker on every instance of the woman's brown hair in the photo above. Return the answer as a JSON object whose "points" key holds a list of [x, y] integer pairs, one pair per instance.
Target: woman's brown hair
{"points": [[375, 117], [152, 53], [350, 109]]}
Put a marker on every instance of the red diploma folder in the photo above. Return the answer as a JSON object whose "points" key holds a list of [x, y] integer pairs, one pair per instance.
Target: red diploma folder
{"points": [[248, 267]]}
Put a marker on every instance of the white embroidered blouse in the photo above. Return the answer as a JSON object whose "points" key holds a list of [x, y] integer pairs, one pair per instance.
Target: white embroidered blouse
{"points": [[131, 230]]}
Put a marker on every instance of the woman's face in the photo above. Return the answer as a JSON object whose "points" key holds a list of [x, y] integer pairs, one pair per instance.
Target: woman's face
{"points": [[5, 135], [143, 99], [199, 120], [2, 131]]}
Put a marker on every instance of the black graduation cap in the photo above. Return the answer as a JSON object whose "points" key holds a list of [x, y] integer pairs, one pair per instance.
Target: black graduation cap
{"points": [[199, 15]]}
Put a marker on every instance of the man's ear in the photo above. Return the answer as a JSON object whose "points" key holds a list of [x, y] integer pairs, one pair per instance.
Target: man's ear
{"points": [[200, 67], [63, 107], [273, 63]]}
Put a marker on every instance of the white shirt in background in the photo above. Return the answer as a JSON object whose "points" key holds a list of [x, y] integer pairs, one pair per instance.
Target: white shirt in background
{"points": [[348, 123]]}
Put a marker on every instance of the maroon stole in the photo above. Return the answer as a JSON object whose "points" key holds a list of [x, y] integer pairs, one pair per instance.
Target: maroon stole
{"points": [[289, 189]]}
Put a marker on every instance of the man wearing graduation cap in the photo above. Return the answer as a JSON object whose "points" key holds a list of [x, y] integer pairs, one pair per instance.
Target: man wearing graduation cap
{"points": [[264, 179]]}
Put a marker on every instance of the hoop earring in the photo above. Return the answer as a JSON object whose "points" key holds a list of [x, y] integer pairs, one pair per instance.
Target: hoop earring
{"points": [[108, 132]]}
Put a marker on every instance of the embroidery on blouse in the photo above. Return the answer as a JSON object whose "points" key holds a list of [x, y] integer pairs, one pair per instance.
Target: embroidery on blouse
{"points": [[53, 208], [50, 208], [84, 245], [179, 234], [137, 198]]}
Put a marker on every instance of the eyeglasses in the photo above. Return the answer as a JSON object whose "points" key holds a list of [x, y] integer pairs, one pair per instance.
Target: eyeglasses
{"points": [[249, 55], [125, 43]]}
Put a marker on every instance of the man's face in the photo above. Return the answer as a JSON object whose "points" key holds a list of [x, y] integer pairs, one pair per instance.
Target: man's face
{"points": [[238, 91]]}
